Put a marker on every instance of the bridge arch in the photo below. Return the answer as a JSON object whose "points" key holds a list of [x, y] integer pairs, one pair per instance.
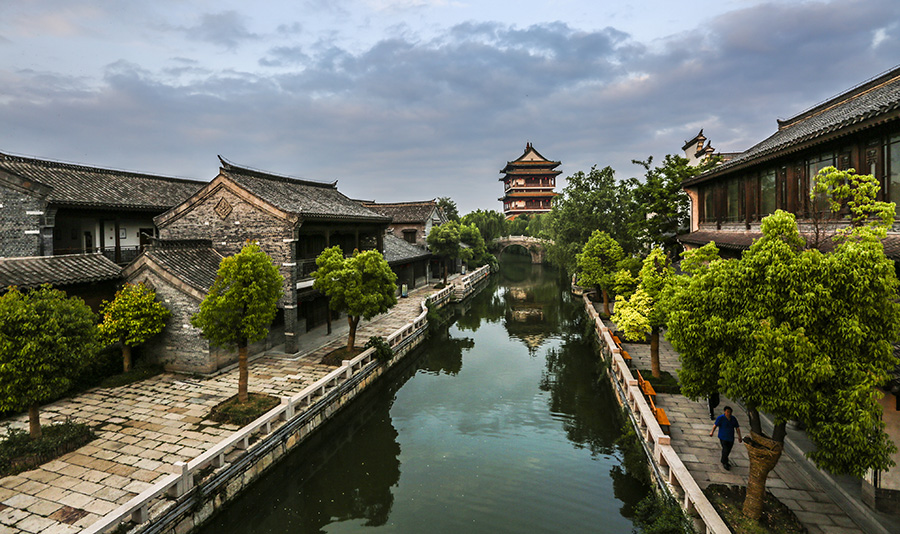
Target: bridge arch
{"points": [[533, 245]]}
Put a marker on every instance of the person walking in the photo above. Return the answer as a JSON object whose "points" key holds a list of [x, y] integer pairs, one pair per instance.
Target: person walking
{"points": [[713, 403], [727, 425]]}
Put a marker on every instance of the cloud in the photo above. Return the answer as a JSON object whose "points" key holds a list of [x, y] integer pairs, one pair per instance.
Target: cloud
{"points": [[226, 29]]}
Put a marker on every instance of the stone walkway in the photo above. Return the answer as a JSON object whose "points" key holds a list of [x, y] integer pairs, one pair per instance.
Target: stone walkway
{"points": [[145, 427], [816, 500]]}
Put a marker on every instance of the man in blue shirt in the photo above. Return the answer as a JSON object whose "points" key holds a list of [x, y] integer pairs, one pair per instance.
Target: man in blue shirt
{"points": [[727, 425]]}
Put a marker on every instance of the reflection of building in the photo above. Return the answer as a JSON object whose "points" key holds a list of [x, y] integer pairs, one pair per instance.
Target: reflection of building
{"points": [[857, 129], [528, 184], [525, 317]]}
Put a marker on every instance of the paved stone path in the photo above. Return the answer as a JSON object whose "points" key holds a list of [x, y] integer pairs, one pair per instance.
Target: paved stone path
{"points": [[145, 427], [814, 503]]}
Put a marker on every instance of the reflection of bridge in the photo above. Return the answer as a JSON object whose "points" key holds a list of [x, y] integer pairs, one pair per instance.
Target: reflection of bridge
{"points": [[533, 245]]}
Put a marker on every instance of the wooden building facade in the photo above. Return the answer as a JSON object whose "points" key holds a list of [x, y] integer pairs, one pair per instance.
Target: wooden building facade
{"points": [[528, 184]]}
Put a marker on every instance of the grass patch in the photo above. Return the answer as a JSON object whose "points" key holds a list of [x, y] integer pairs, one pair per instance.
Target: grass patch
{"points": [[18, 452], [661, 515], [135, 375], [776, 518], [666, 383], [337, 356], [237, 413]]}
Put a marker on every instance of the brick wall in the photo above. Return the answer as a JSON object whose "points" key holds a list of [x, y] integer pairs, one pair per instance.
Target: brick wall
{"points": [[229, 234], [397, 230], [15, 222]]}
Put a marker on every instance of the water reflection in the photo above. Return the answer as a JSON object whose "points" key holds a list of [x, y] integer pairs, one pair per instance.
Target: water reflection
{"points": [[499, 423]]}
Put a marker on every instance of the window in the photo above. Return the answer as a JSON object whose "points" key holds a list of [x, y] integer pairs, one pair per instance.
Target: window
{"points": [[814, 165], [893, 192], [767, 193], [707, 203], [733, 200], [409, 236]]}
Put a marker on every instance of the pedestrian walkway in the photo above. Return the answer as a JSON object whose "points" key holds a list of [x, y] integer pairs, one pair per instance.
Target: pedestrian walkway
{"points": [[145, 427], [821, 504]]}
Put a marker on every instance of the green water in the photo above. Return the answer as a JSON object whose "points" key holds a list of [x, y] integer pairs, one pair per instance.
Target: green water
{"points": [[497, 424]]}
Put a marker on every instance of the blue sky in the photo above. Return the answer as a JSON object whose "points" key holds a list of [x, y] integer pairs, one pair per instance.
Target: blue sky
{"points": [[413, 99]]}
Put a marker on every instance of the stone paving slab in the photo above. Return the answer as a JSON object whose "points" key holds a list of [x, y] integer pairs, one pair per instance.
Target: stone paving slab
{"points": [[145, 427], [700, 453]]}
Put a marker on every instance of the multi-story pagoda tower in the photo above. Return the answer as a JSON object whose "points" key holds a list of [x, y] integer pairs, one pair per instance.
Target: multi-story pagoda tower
{"points": [[528, 184]]}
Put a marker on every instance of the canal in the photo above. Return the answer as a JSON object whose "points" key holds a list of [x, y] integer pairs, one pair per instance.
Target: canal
{"points": [[498, 423]]}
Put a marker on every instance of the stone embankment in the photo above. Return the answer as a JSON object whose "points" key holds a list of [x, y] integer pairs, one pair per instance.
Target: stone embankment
{"points": [[158, 461]]}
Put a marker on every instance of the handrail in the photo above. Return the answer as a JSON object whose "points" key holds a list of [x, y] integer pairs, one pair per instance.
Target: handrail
{"points": [[181, 482], [693, 500]]}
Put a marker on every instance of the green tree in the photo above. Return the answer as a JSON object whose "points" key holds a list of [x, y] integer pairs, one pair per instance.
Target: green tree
{"points": [[645, 312], [598, 263], [535, 227], [448, 206], [800, 335], [132, 318], [593, 201], [489, 222], [45, 340], [362, 285], [241, 305], [518, 226], [477, 252], [663, 204], [443, 241]]}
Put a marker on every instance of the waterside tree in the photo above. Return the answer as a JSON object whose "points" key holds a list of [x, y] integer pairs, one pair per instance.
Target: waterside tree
{"points": [[443, 241], [362, 285], [131, 318], [241, 305], [597, 264], [45, 340]]}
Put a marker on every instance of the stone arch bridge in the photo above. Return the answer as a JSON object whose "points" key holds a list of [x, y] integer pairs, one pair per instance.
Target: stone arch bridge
{"points": [[533, 245]]}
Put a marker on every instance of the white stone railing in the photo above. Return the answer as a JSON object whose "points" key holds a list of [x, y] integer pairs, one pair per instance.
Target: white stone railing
{"points": [[466, 284], [180, 482], [677, 476]]}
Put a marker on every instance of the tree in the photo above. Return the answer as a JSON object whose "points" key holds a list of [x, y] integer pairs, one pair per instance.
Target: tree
{"points": [[489, 222], [664, 205], [443, 241], [362, 285], [799, 334], [645, 312], [477, 252], [518, 225], [45, 340], [593, 201], [448, 206], [241, 305], [535, 227], [598, 263], [133, 317]]}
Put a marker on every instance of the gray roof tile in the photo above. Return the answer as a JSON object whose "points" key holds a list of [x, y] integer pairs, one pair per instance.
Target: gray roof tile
{"points": [[57, 270], [397, 250], [404, 212], [194, 261]]}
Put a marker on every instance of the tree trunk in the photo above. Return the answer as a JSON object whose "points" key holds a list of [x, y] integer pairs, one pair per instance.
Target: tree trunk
{"points": [[243, 396], [654, 352], [34, 421], [605, 302], [445, 272], [126, 358], [764, 454], [353, 321]]}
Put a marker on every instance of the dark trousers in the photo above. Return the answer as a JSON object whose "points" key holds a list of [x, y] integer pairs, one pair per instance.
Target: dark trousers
{"points": [[726, 450]]}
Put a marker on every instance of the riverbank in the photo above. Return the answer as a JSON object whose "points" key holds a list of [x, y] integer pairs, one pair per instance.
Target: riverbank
{"points": [[820, 504], [150, 430]]}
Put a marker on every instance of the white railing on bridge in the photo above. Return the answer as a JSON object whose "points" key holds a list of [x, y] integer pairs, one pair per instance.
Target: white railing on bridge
{"points": [[182, 480], [466, 284]]}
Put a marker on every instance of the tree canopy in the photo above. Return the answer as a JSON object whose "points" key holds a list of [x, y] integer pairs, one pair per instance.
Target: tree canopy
{"points": [[241, 305], [598, 263], [490, 223], [800, 335], [132, 318], [45, 339], [476, 253], [448, 206], [443, 241], [362, 285]]}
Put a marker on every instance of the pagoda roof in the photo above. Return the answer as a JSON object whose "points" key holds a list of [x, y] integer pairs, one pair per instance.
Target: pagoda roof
{"points": [[530, 158], [69, 184], [521, 194]]}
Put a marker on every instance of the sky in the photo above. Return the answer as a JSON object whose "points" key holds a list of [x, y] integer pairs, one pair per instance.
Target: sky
{"points": [[404, 100]]}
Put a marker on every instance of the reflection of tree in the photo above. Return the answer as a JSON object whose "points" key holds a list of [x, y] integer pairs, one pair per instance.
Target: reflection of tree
{"points": [[571, 378], [344, 472], [486, 305], [445, 353]]}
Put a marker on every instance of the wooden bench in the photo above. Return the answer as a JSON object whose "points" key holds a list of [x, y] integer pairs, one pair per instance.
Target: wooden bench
{"points": [[660, 416], [645, 386], [623, 352]]}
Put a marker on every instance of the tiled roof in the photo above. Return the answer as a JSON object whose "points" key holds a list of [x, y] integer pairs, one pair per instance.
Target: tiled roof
{"points": [[305, 198], [193, 261], [397, 250], [743, 240], [868, 102], [79, 185], [404, 212], [57, 270]]}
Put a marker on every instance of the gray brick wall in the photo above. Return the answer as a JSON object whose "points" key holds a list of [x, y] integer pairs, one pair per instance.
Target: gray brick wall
{"points": [[15, 222]]}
